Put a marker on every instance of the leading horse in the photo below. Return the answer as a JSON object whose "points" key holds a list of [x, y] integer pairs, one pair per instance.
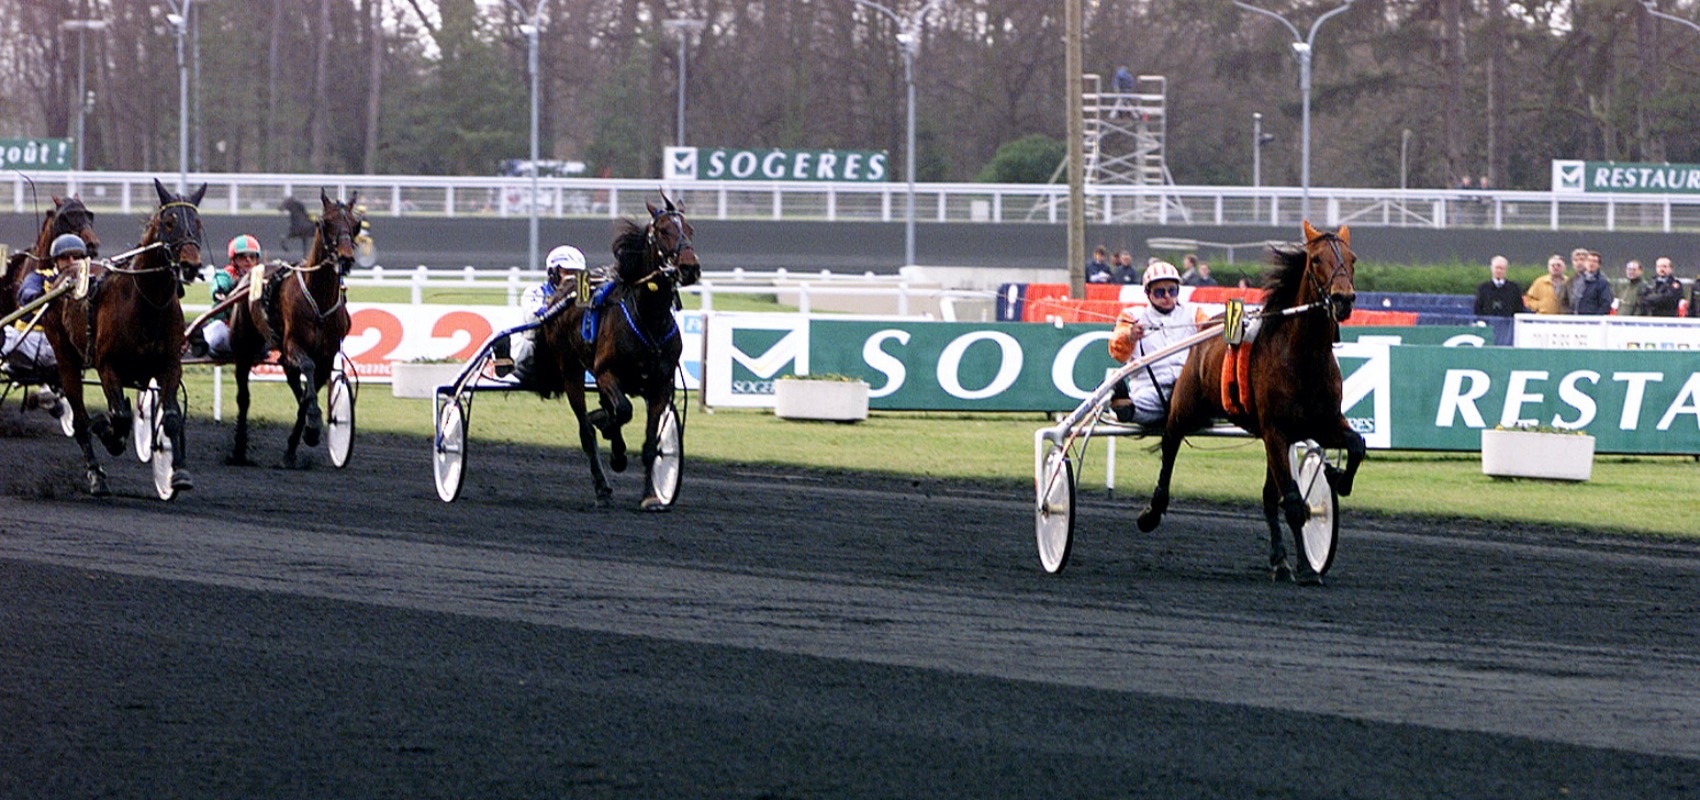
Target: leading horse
{"points": [[633, 347], [1293, 387], [129, 329], [306, 325]]}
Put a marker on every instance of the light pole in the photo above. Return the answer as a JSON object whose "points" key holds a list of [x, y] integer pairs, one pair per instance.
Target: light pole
{"points": [[81, 25], [1302, 47], [683, 27], [1404, 149], [909, 40], [532, 29], [179, 19]]}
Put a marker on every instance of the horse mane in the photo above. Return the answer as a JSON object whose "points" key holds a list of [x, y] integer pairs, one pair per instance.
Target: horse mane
{"points": [[1285, 277], [631, 250]]}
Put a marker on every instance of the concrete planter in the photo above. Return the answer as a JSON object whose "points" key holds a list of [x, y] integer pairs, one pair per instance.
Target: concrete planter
{"points": [[1528, 454], [412, 380], [836, 401]]}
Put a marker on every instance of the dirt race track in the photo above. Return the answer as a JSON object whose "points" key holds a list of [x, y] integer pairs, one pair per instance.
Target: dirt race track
{"points": [[326, 633]]}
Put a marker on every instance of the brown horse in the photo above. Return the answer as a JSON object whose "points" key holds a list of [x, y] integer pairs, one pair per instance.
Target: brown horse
{"points": [[129, 329], [66, 216], [1293, 380], [634, 348], [305, 323]]}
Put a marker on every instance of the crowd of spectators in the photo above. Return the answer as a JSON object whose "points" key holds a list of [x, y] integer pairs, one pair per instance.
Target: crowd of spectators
{"points": [[1581, 288]]}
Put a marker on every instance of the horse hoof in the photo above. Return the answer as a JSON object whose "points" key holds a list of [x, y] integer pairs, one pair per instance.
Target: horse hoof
{"points": [[97, 484], [114, 445], [1308, 577], [1148, 521], [652, 504], [1280, 571], [238, 461], [1336, 479], [181, 480], [310, 436], [617, 462]]}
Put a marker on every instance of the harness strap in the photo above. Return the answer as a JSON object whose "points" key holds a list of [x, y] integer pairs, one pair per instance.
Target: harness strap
{"points": [[672, 328]]}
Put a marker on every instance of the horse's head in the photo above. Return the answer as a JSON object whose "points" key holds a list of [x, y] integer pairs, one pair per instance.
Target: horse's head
{"points": [[669, 236], [177, 226], [337, 229], [1329, 269], [71, 216]]}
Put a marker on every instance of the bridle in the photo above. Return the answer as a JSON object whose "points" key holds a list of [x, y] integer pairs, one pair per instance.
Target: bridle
{"points": [[1327, 301], [668, 258]]}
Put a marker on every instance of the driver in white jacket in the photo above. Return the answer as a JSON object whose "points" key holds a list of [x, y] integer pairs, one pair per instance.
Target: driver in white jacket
{"points": [[1165, 320]]}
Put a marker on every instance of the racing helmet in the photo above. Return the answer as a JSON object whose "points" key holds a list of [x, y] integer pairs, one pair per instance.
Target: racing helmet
{"points": [[245, 244], [565, 257], [1160, 271], [67, 244]]}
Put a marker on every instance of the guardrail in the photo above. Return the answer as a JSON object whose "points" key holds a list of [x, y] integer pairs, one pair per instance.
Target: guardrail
{"points": [[801, 289], [438, 196]]}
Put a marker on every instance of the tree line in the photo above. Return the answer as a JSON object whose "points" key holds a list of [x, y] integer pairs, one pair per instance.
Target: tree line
{"points": [[1490, 89]]}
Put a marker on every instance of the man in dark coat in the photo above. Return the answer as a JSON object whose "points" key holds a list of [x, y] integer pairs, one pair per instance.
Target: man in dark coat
{"points": [[1499, 296]]}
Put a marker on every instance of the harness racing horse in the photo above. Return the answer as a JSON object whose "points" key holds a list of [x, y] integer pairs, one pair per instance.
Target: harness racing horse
{"points": [[300, 224], [129, 329], [306, 324], [633, 349], [1292, 390], [66, 216]]}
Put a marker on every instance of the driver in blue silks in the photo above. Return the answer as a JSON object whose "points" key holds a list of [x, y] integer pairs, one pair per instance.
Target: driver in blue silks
{"points": [[563, 266]]}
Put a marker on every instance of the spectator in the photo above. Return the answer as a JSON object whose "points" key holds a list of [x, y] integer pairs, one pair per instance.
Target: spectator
{"points": [[1592, 292], [1121, 84], [1125, 271], [1546, 292], [1498, 296], [1201, 277], [1572, 287], [1189, 269], [1099, 269], [1663, 295], [1628, 300]]}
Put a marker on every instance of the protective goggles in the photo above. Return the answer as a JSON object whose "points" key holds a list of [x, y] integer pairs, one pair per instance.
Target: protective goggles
{"points": [[1164, 291]]}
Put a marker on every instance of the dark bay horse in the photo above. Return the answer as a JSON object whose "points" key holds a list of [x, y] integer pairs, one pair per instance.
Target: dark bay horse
{"points": [[66, 216], [305, 322], [634, 349], [1293, 381], [300, 224], [129, 329]]}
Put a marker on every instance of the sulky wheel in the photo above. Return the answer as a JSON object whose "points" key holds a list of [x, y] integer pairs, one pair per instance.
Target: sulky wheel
{"points": [[1322, 528], [160, 453], [1054, 513], [669, 457], [339, 423], [142, 430], [448, 451]]}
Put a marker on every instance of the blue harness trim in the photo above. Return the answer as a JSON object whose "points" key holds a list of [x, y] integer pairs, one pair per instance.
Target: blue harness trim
{"points": [[593, 315], [672, 329]]}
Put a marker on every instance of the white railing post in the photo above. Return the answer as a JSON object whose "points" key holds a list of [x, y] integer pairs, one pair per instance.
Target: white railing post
{"points": [[449, 201], [705, 290], [803, 299], [395, 200], [513, 286], [420, 275], [903, 298]]}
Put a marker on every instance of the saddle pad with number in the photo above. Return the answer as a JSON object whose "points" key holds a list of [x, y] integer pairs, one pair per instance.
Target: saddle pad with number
{"points": [[593, 314]]}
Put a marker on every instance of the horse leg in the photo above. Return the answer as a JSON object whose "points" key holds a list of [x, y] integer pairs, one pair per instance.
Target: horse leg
{"points": [[293, 374], [1159, 505], [239, 451], [171, 426], [1353, 442], [587, 441], [71, 383], [1278, 566], [308, 398], [113, 425], [651, 449], [1292, 504], [615, 411]]}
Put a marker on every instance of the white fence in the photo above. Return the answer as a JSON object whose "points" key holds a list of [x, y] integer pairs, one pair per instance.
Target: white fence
{"points": [[436, 196]]}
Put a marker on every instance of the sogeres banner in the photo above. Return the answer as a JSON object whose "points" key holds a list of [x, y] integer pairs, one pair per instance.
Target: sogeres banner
{"points": [[1409, 397], [734, 164]]}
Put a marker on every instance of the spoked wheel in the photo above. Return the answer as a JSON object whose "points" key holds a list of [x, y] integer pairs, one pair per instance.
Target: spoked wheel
{"points": [[160, 450], [448, 450], [669, 457], [339, 423], [142, 431], [1322, 529], [1053, 515]]}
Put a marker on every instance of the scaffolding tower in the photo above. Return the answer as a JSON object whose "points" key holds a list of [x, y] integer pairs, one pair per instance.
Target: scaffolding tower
{"points": [[1124, 139]]}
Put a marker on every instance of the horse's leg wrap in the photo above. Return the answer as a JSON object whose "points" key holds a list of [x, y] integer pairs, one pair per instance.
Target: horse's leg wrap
{"points": [[171, 427], [1355, 452], [94, 475], [1294, 506]]}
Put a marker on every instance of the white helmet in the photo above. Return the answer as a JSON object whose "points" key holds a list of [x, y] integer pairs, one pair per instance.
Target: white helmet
{"points": [[564, 257], [1160, 271]]}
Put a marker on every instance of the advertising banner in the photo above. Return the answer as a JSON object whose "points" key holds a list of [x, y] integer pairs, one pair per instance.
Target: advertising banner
{"points": [[1625, 177], [1607, 333], [54, 155], [1398, 396], [380, 333], [752, 164]]}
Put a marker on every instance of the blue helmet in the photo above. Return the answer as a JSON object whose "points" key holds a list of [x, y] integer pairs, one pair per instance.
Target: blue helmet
{"points": [[66, 244]]}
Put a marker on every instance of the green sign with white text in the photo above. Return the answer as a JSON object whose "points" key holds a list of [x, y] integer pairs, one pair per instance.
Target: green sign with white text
{"points": [[55, 155], [735, 164], [1595, 177]]}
